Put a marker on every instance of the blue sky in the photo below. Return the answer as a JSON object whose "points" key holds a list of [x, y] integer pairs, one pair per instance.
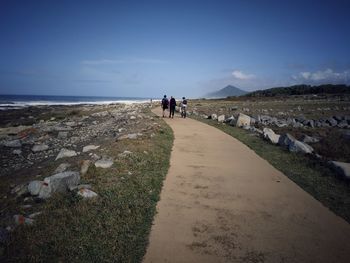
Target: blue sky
{"points": [[180, 48]]}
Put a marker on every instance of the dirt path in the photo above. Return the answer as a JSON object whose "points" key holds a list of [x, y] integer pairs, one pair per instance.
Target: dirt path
{"points": [[222, 203]]}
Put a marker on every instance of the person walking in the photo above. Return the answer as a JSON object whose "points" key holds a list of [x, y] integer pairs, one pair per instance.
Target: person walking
{"points": [[165, 104], [183, 107], [172, 107]]}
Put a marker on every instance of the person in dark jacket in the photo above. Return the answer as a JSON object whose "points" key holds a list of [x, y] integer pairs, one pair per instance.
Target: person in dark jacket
{"points": [[172, 107], [165, 104]]}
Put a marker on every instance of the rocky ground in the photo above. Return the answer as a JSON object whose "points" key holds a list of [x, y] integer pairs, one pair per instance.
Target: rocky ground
{"points": [[313, 125], [46, 150]]}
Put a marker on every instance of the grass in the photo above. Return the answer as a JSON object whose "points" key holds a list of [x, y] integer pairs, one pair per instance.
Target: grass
{"points": [[311, 175], [115, 226]]}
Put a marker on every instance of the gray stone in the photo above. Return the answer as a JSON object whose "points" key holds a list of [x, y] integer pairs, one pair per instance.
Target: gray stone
{"points": [[100, 114], [85, 167], [17, 152], [20, 190], [59, 183], [343, 124], [229, 119], [104, 163], [62, 135], [132, 136], [12, 143], [309, 139], [87, 193], [62, 167], [286, 139], [214, 116], [34, 187], [90, 148], [332, 122], [243, 120], [342, 168], [40, 148], [65, 153], [270, 135], [298, 146], [221, 118]]}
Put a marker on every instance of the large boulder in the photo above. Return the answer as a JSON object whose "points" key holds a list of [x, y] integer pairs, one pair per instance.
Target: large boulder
{"points": [[342, 168], [298, 146], [221, 118], [243, 120], [34, 187], [286, 140], [65, 153], [59, 183], [271, 136]]}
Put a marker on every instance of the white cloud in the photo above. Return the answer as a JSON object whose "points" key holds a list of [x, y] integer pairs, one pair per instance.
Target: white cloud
{"points": [[326, 75], [123, 61], [242, 76]]}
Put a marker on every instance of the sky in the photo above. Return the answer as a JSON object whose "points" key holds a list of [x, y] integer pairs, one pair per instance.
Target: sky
{"points": [[180, 48]]}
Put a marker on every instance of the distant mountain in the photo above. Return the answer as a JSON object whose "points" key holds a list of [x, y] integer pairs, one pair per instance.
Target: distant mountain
{"points": [[226, 92], [301, 90]]}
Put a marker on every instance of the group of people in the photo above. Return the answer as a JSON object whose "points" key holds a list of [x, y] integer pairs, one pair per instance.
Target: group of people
{"points": [[172, 105]]}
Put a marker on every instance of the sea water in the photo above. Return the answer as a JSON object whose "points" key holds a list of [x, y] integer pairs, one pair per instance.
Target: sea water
{"points": [[22, 101]]}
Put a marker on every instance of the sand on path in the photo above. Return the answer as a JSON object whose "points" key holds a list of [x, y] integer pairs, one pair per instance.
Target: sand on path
{"points": [[223, 203]]}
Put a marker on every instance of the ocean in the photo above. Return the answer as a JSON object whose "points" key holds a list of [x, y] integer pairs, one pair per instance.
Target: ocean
{"points": [[21, 101]]}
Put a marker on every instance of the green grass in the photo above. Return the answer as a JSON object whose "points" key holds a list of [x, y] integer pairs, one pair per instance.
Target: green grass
{"points": [[311, 175], [111, 228]]}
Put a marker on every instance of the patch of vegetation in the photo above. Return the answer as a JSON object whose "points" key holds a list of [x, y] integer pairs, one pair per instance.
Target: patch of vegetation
{"points": [[301, 90], [312, 175], [115, 226]]}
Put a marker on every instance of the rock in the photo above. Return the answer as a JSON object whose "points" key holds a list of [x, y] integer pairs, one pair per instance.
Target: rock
{"points": [[17, 152], [87, 193], [309, 139], [243, 120], [85, 167], [233, 108], [104, 163], [286, 139], [33, 215], [62, 135], [221, 118], [343, 124], [21, 220], [59, 183], [12, 143], [246, 127], [20, 190], [34, 187], [214, 116], [332, 122], [229, 119], [65, 153], [271, 136], [342, 168], [132, 117], [298, 146], [90, 148], [132, 136], [100, 114], [62, 167], [40, 148], [346, 135]]}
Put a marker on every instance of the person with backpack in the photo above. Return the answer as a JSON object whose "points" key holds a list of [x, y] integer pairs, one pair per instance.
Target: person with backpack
{"points": [[165, 104], [172, 107], [183, 107]]}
